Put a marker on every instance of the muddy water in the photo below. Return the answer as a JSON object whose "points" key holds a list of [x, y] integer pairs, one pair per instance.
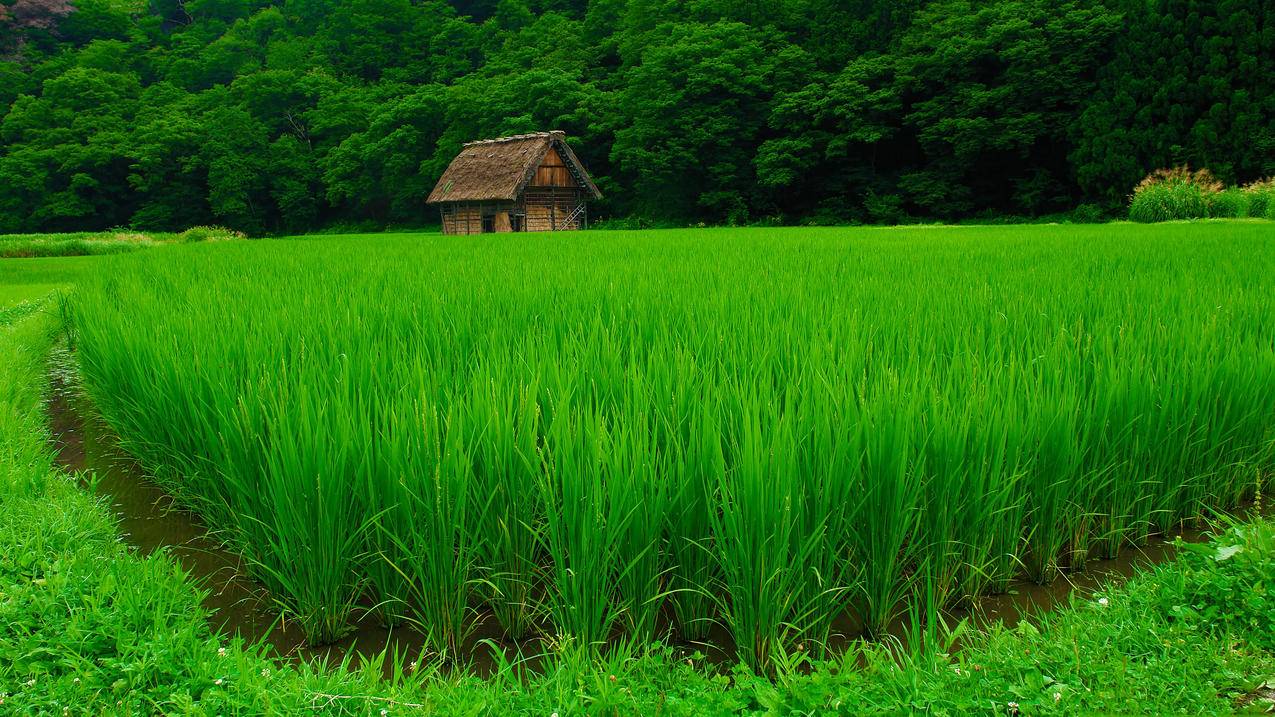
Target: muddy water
{"points": [[149, 521], [1026, 599]]}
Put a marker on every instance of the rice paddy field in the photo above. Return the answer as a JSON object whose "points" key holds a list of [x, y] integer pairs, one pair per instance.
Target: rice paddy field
{"points": [[758, 436]]}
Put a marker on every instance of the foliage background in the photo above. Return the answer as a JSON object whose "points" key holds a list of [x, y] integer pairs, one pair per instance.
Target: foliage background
{"points": [[298, 114]]}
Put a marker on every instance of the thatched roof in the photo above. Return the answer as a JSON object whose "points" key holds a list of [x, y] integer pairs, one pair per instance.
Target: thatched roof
{"points": [[497, 169]]}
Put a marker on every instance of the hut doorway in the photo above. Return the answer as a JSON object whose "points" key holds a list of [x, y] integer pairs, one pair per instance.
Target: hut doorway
{"points": [[489, 224]]}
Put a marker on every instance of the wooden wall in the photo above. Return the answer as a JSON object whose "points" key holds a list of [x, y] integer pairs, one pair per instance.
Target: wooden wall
{"points": [[468, 218], [545, 209], [462, 219], [549, 210], [553, 172]]}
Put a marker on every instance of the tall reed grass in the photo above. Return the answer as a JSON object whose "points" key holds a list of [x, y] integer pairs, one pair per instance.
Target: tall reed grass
{"points": [[637, 435]]}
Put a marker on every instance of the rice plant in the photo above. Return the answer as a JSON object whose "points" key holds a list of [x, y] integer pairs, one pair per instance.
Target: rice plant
{"points": [[646, 435]]}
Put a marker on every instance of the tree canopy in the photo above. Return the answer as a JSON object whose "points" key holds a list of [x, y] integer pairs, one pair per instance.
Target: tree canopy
{"points": [[297, 114]]}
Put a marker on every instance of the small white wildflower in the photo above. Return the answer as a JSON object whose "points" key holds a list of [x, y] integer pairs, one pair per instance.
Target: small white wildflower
{"points": [[956, 669], [384, 712], [265, 672], [411, 667], [1104, 602], [217, 682], [31, 682], [555, 714], [1012, 705], [1057, 696], [221, 652], [76, 681]]}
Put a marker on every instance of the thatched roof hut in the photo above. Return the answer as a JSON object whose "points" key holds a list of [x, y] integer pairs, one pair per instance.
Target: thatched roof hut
{"points": [[527, 182]]}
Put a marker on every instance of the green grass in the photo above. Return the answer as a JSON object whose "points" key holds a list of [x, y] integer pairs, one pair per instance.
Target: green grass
{"points": [[88, 627], [30, 278], [763, 429], [97, 243], [79, 244]]}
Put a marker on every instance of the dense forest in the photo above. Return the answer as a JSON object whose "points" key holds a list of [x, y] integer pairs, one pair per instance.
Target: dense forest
{"points": [[300, 114]]}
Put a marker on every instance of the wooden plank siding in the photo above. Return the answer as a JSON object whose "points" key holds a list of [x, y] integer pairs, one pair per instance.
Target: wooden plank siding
{"points": [[468, 218], [551, 209], [542, 209], [553, 172], [462, 219]]}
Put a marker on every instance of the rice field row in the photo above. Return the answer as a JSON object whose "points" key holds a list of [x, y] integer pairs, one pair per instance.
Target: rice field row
{"points": [[627, 435]]}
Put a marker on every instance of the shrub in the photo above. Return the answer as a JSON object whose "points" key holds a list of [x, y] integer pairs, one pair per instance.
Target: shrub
{"points": [[1228, 204], [1228, 582], [884, 208], [124, 236], [1088, 214], [1177, 193], [195, 234], [1260, 198]]}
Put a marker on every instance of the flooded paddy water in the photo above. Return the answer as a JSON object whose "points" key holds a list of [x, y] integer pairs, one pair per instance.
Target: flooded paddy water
{"points": [[150, 520]]}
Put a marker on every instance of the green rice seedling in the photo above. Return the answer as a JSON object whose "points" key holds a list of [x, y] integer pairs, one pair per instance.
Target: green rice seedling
{"points": [[639, 486], [439, 542], [884, 529], [507, 468], [830, 458], [974, 501], [1054, 467], [586, 522], [947, 485], [1116, 460], [306, 533], [757, 530], [697, 467], [998, 494]]}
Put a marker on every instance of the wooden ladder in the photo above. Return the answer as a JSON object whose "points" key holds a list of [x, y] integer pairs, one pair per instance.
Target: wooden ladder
{"points": [[573, 216]]}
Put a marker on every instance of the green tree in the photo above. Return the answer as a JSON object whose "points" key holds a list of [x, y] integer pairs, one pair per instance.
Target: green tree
{"points": [[1191, 83], [691, 113]]}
